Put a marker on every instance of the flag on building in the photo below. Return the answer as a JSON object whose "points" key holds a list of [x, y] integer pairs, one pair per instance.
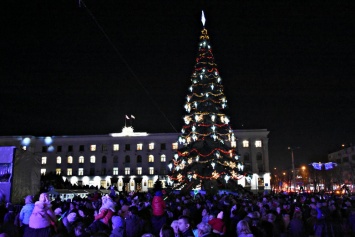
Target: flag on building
{"points": [[133, 117], [127, 117]]}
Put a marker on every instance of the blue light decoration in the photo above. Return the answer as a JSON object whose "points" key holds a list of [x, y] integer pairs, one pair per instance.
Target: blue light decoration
{"points": [[317, 166], [327, 166], [48, 140], [26, 141]]}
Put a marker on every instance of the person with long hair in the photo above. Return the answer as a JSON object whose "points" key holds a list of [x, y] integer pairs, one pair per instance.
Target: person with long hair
{"points": [[243, 229]]}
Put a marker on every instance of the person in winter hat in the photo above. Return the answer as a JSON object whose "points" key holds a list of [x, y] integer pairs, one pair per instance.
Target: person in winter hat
{"points": [[218, 225], [69, 222], [41, 218], [26, 212], [135, 226], [103, 218], [159, 217], [158, 204], [118, 227]]}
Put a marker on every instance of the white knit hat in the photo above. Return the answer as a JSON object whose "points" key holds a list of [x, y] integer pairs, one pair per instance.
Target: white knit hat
{"points": [[220, 215]]}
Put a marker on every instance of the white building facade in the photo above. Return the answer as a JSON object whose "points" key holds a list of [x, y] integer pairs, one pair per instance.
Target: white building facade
{"points": [[133, 161]]}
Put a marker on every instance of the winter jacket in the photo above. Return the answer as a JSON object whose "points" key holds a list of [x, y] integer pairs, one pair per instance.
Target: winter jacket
{"points": [[42, 215], [158, 206], [134, 226], [118, 232], [26, 212], [297, 228], [218, 225], [188, 233], [105, 216]]}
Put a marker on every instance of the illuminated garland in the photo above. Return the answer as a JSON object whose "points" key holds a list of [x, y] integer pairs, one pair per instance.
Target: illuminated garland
{"points": [[209, 154]]}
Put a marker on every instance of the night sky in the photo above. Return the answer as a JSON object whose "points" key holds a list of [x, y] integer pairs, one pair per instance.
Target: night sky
{"points": [[288, 67]]}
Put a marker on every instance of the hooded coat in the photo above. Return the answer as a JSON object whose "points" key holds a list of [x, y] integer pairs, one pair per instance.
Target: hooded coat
{"points": [[42, 214]]}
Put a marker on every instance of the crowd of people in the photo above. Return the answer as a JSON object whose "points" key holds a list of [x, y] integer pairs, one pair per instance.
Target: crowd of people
{"points": [[178, 215]]}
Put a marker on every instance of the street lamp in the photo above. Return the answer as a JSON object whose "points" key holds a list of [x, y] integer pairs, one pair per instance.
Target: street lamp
{"points": [[293, 169]]}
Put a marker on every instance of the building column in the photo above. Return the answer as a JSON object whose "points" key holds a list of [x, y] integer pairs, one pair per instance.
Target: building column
{"points": [[254, 183]]}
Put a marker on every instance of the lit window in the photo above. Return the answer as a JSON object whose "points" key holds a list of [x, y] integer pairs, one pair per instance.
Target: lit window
{"points": [[44, 160], [69, 171], [150, 183], [115, 171], [175, 146], [81, 159], [151, 170], [92, 147], [139, 146], [127, 171], [139, 170], [245, 143], [59, 160], [58, 171], [81, 171], [92, 159], [43, 171], [70, 159], [116, 147], [163, 158], [151, 146], [257, 143], [234, 144], [150, 158]]}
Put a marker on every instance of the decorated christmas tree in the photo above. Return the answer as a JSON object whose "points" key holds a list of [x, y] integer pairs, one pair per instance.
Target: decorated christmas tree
{"points": [[207, 157]]}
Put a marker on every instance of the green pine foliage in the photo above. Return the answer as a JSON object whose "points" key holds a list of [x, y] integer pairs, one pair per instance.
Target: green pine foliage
{"points": [[207, 156]]}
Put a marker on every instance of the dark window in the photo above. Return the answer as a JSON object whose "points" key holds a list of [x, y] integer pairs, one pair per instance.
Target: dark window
{"points": [[247, 168], [115, 159], [259, 156], [139, 159], [92, 171], [103, 171], [70, 148], [44, 149], [345, 159], [104, 148], [260, 168], [246, 157], [353, 157], [162, 146], [59, 148], [127, 147], [81, 148], [127, 159], [162, 170], [338, 161], [104, 159]]}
